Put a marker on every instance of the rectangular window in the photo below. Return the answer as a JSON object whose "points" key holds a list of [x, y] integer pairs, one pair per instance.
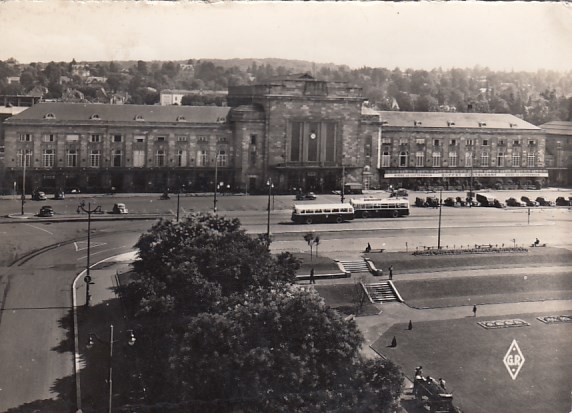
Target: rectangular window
{"points": [[485, 159], [71, 157], [202, 158], [485, 142], [420, 141], [48, 158], [469, 160], [419, 159], [95, 159], [203, 139], [117, 138], [295, 141], [222, 158], [181, 138], [27, 158], [160, 139], [138, 158], [515, 160], [160, 158], [436, 142], [95, 138], [139, 138], [221, 139], [453, 142], [72, 137], [500, 159], [516, 142], [436, 159], [531, 143], [403, 159], [501, 142], [25, 137], [313, 139], [469, 142], [49, 138], [252, 156], [253, 139], [530, 160], [331, 142], [181, 158], [385, 160], [367, 149], [453, 160], [116, 159]]}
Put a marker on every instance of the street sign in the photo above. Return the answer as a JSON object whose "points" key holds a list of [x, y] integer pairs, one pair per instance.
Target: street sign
{"points": [[513, 360], [87, 279]]}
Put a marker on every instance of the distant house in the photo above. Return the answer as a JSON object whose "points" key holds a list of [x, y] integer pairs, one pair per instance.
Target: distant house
{"points": [[95, 79], [81, 70], [13, 80], [175, 96], [559, 152]]}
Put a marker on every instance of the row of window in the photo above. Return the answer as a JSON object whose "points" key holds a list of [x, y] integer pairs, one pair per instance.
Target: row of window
{"points": [[95, 137], [468, 142], [94, 158], [501, 160]]}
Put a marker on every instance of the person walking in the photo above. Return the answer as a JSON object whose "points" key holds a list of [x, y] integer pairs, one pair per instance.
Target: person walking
{"points": [[474, 311], [312, 277], [391, 272]]}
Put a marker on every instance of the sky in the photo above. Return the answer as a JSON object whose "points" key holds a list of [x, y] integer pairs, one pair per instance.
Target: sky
{"points": [[420, 35]]}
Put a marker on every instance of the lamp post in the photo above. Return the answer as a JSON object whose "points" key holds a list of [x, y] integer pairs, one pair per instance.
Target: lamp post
{"points": [[270, 186], [89, 211], [130, 341], [216, 182], [23, 198], [343, 181], [439, 230]]}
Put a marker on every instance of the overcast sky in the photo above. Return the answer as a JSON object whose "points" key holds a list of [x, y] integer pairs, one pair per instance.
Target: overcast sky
{"points": [[419, 35]]}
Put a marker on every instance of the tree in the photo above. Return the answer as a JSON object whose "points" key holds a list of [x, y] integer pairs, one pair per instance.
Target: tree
{"points": [[312, 240]]}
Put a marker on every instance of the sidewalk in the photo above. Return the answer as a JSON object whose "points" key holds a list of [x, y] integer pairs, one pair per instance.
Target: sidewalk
{"points": [[93, 326]]}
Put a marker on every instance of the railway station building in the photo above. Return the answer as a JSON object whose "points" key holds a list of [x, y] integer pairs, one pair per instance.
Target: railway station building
{"points": [[297, 132]]}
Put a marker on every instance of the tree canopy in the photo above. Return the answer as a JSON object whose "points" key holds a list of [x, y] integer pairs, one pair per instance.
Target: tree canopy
{"points": [[224, 328]]}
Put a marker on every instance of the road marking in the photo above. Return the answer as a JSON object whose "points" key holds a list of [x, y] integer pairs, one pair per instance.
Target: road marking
{"points": [[102, 251], [93, 245], [41, 229]]}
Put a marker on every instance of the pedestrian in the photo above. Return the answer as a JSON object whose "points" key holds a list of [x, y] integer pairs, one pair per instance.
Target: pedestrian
{"points": [[391, 272], [312, 278], [474, 311], [368, 248], [419, 371], [442, 383], [536, 242]]}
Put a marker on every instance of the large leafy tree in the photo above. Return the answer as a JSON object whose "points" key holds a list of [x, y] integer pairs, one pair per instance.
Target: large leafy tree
{"points": [[223, 328]]}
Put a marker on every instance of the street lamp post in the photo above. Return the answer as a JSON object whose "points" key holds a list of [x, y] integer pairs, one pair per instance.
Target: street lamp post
{"points": [[23, 198], [343, 181], [130, 341], [439, 230], [270, 186], [216, 182], [89, 211]]}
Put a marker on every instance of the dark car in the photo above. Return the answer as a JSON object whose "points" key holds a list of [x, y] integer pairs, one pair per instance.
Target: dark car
{"points": [[59, 195], [39, 196], [46, 211], [513, 202], [529, 202], [561, 201], [544, 202], [309, 196]]}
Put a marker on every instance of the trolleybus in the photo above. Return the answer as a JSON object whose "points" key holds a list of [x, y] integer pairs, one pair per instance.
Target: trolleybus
{"points": [[314, 213], [380, 207]]}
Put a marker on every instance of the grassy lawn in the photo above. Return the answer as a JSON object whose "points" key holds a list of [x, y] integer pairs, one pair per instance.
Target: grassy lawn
{"points": [[346, 298], [321, 265], [489, 289], [470, 359], [408, 263]]}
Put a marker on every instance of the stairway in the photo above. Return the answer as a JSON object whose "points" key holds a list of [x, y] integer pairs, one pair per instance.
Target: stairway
{"points": [[381, 292], [355, 266]]}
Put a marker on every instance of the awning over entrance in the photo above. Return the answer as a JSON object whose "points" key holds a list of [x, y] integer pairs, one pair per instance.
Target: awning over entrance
{"points": [[466, 173]]}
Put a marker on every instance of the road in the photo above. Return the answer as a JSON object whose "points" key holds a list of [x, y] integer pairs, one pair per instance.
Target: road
{"points": [[35, 346]]}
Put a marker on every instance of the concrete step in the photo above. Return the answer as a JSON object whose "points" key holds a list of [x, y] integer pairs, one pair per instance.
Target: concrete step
{"points": [[381, 292], [355, 266]]}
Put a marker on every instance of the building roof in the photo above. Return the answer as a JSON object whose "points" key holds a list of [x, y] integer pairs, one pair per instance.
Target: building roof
{"points": [[450, 120], [95, 112], [193, 92], [558, 127]]}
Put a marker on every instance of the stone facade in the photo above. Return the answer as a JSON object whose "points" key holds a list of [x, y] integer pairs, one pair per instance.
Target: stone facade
{"points": [[297, 132]]}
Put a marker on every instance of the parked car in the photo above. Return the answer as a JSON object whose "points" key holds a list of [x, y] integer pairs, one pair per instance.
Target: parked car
{"points": [[513, 202], [46, 211], [120, 209], [399, 193], [309, 196], [449, 202], [39, 196], [529, 202], [59, 195], [544, 202], [498, 204], [561, 201]]}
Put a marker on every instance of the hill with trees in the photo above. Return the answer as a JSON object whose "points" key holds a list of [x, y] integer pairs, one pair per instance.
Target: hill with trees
{"points": [[537, 97]]}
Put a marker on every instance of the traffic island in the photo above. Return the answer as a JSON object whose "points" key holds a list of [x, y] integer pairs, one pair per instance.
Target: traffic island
{"points": [[324, 267]]}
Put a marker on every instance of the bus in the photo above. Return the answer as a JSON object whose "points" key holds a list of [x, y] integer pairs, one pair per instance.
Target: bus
{"points": [[380, 207], [314, 213]]}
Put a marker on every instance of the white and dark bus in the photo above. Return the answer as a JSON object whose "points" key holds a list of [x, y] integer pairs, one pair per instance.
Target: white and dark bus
{"points": [[314, 213], [380, 207]]}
